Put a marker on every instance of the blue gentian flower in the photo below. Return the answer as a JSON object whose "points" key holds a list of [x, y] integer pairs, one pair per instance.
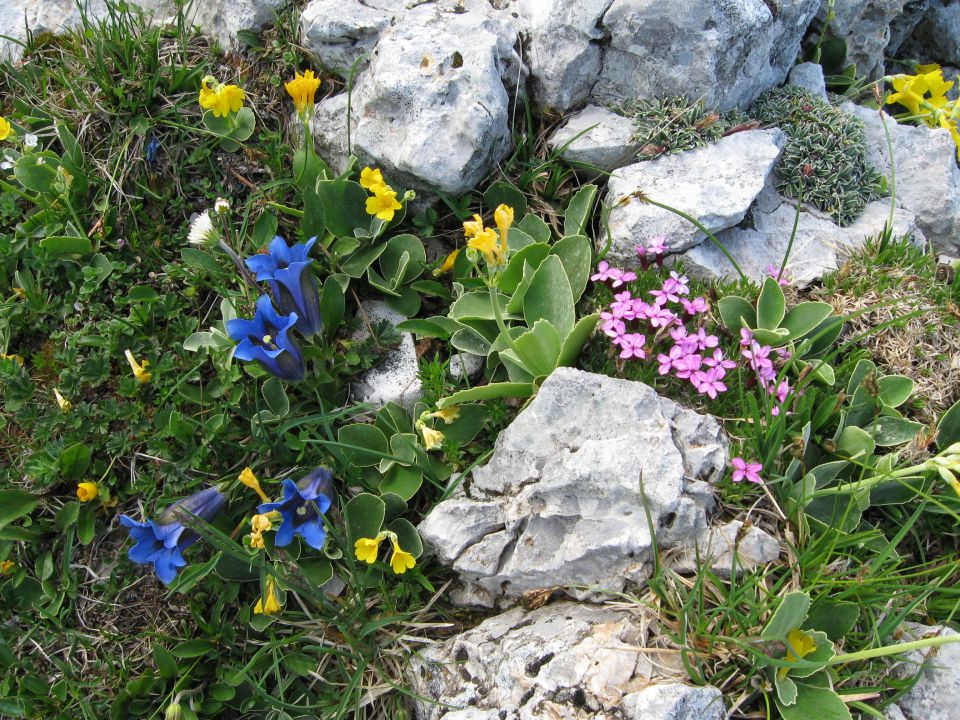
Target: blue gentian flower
{"points": [[266, 339], [302, 505], [294, 287], [151, 152], [161, 542]]}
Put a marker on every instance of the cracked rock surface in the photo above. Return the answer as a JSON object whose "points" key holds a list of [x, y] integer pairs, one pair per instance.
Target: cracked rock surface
{"points": [[936, 696], [561, 661], [560, 503]]}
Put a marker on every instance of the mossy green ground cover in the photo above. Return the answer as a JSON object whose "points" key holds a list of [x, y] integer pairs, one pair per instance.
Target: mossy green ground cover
{"points": [[95, 262]]}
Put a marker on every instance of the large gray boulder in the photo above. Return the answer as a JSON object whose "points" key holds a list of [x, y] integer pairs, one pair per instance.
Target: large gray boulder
{"points": [[937, 35], [715, 184], [596, 136], [727, 53], [936, 695], [927, 176], [819, 247], [563, 501], [865, 27], [561, 661], [431, 108]]}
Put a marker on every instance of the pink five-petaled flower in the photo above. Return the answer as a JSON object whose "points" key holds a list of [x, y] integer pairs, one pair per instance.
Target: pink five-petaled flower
{"points": [[682, 288], [759, 356], [687, 365], [632, 345], [743, 470], [622, 306], [786, 277], [710, 382], [697, 305], [604, 272], [718, 360], [705, 341], [746, 337], [688, 343], [780, 391], [657, 245], [668, 362], [620, 277], [612, 326], [660, 317]]}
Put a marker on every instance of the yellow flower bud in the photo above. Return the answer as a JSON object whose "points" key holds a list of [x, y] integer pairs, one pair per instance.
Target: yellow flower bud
{"points": [[250, 480], [65, 405], [139, 371], [269, 603]]}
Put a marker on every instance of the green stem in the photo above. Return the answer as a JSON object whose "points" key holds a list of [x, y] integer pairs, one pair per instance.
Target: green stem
{"points": [[702, 229], [893, 173], [793, 235], [872, 481], [895, 649], [495, 301]]}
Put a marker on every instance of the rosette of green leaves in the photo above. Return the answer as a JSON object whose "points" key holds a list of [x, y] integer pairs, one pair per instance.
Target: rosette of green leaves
{"points": [[233, 129], [807, 328], [802, 685]]}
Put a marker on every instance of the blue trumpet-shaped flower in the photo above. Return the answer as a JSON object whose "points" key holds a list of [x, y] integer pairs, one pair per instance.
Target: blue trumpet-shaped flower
{"points": [[287, 269], [161, 542], [266, 339], [302, 505]]}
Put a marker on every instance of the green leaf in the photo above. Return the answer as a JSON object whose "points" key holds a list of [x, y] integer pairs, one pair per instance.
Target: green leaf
{"points": [[539, 348], [860, 371], [470, 341], [834, 617], [74, 461], [775, 337], [15, 504], [948, 427], [362, 436], [200, 260], [550, 297], [855, 443], [313, 220], [477, 305], [536, 228], [86, 525], [736, 312], [65, 245], [37, 171], [358, 263], [467, 425], [577, 214], [332, 307], [789, 615], [403, 260], [890, 431], [503, 193], [812, 701], [363, 516], [245, 122], [165, 662], [771, 303], [574, 342], [432, 327], [407, 536], [265, 229], [511, 277], [193, 648], [805, 317], [402, 481], [344, 203], [786, 689], [894, 390], [276, 397], [493, 391], [576, 254], [67, 515], [316, 570]]}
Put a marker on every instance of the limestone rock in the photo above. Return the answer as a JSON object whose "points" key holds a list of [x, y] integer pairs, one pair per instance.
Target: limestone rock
{"points": [[865, 26], [936, 696], [465, 365], [727, 53], [716, 548], [937, 36], [596, 136], [431, 109], [818, 248], [560, 661], [902, 26], [340, 32], [715, 184], [395, 378], [563, 49], [927, 176], [809, 76], [560, 503], [893, 712]]}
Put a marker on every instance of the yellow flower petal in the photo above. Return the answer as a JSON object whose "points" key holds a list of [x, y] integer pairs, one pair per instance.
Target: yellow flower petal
{"points": [[473, 227], [6, 566], [503, 217], [401, 560], [261, 523], [432, 439], [87, 491], [250, 480], [5, 129], [448, 415], [366, 549], [65, 405], [139, 371], [448, 263], [269, 603], [486, 242], [303, 89], [384, 203], [371, 178]]}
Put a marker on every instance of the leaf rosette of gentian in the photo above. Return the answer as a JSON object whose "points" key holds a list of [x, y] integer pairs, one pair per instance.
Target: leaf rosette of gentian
{"points": [[302, 508], [287, 270], [266, 339], [161, 542]]}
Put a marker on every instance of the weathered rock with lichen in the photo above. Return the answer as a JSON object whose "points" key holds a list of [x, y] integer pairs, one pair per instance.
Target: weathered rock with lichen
{"points": [[575, 489], [936, 695], [597, 137], [561, 661], [395, 379]]}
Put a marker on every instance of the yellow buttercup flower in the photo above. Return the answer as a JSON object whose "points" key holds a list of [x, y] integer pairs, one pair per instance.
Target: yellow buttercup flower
{"points": [[401, 560], [384, 203], [139, 371], [5, 129], [65, 405], [503, 217], [432, 439], [448, 415], [250, 480], [800, 645], [269, 604], [219, 98], [371, 178], [366, 549], [303, 89], [87, 491]]}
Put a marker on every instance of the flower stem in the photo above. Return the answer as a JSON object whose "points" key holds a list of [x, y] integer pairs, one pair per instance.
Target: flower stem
{"points": [[498, 315], [895, 649]]}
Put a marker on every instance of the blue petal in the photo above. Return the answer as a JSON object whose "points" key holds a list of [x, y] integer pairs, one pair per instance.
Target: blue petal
{"points": [[239, 328], [285, 532], [144, 552], [263, 265], [313, 534]]}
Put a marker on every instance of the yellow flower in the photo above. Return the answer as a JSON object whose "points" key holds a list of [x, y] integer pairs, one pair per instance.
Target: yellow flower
{"points": [[64, 404], [384, 203], [269, 604], [447, 263], [139, 371], [951, 124], [799, 642], [401, 560], [6, 566], [5, 128], [448, 415], [909, 91], [303, 89], [371, 178], [366, 549], [87, 491], [937, 86], [250, 480], [503, 217], [261, 523], [221, 99], [432, 439], [474, 227], [20, 293], [16, 358], [486, 242]]}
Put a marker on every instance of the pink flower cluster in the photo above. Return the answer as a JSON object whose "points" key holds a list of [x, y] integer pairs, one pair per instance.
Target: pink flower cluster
{"points": [[759, 359], [653, 252]]}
